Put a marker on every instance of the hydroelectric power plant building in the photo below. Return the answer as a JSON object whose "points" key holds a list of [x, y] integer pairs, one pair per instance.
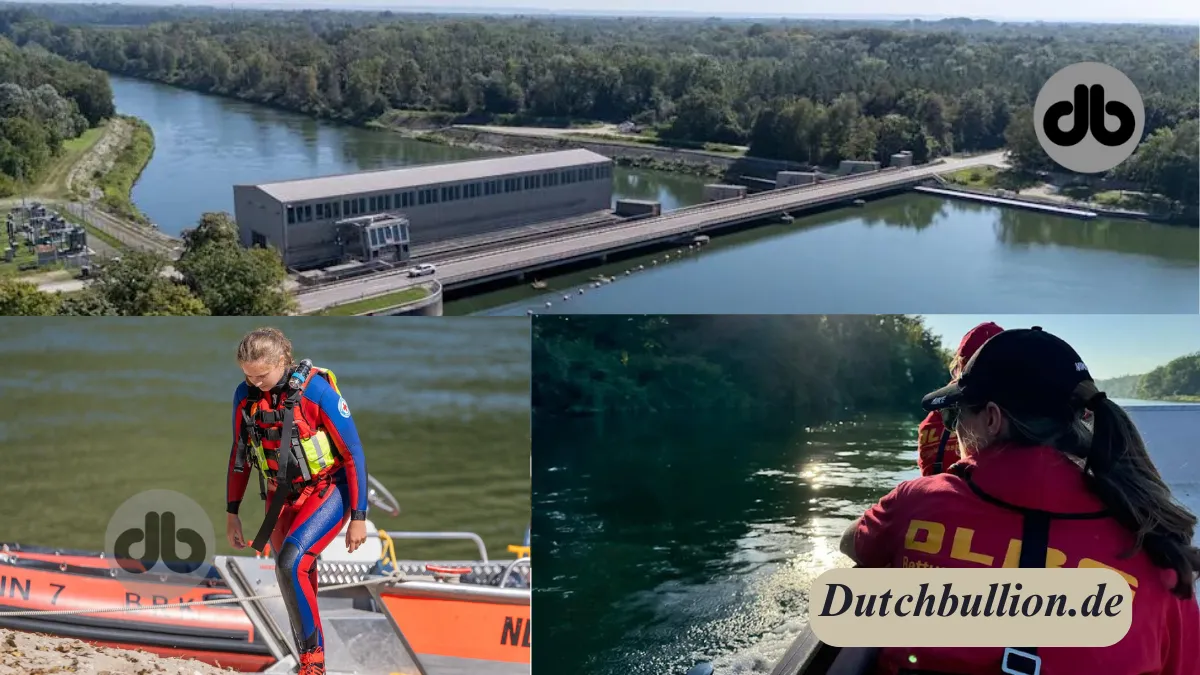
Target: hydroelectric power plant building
{"points": [[440, 201]]}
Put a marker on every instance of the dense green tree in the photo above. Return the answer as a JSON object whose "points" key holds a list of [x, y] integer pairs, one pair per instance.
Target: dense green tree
{"points": [[1024, 149], [816, 366], [21, 298], [813, 92], [1179, 378], [698, 81], [1167, 163], [88, 302], [137, 285], [231, 280], [44, 100]]}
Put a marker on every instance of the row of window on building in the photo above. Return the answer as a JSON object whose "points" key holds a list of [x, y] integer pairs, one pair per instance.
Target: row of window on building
{"points": [[348, 208]]}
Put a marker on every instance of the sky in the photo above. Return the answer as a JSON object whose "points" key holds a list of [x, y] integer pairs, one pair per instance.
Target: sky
{"points": [[1016, 10], [1111, 345]]}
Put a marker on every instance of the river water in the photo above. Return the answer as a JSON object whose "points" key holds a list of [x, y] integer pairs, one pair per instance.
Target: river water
{"points": [[671, 539], [206, 144], [98, 410], [910, 253]]}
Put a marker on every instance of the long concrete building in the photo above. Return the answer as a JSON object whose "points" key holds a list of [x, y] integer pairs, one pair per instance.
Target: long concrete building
{"points": [[440, 201]]}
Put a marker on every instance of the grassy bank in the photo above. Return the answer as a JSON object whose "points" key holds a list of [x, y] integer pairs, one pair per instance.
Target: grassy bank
{"points": [[990, 178], [377, 303], [56, 183], [118, 182]]}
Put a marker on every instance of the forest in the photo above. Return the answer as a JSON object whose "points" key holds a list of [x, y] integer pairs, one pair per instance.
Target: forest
{"points": [[815, 367], [813, 92], [44, 100], [1177, 380]]}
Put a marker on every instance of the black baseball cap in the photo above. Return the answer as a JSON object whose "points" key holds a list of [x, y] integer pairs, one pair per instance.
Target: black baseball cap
{"points": [[1023, 370]]}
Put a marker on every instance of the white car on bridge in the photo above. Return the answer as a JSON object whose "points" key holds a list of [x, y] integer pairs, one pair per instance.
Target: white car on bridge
{"points": [[422, 270]]}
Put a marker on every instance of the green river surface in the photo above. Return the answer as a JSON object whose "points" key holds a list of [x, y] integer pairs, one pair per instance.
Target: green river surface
{"points": [[98, 410]]}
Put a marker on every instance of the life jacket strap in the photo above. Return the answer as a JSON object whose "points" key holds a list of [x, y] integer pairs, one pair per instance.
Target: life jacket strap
{"points": [[940, 462], [287, 470], [1035, 545], [269, 416]]}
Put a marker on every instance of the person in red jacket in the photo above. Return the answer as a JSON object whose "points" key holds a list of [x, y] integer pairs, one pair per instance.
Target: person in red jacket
{"points": [[937, 447], [1073, 494]]}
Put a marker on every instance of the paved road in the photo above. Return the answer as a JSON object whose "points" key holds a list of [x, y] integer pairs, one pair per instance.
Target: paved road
{"points": [[522, 256]]}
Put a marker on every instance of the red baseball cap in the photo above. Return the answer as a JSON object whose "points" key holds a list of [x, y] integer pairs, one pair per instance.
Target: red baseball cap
{"points": [[975, 338], [972, 341]]}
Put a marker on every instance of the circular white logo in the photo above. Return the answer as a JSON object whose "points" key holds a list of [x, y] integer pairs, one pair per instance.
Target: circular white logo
{"points": [[161, 532], [1089, 117], [343, 408]]}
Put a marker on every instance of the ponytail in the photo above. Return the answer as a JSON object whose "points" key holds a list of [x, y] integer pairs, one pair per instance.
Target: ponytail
{"points": [[1120, 472]]}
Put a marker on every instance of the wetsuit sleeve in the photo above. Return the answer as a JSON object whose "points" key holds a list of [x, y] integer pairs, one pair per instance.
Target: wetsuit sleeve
{"points": [[929, 435], [335, 419], [235, 483], [1183, 654], [879, 532]]}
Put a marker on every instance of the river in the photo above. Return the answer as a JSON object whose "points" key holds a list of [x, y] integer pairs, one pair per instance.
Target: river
{"points": [[910, 253], [670, 539], [102, 409], [206, 144]]}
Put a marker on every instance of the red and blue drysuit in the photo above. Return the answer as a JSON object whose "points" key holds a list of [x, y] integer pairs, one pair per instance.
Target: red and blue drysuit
{"points": [[313, 517]]}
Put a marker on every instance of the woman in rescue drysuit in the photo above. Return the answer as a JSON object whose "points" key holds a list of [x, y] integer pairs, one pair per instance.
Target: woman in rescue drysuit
{"points": [[310, 489], [1072, 494]]}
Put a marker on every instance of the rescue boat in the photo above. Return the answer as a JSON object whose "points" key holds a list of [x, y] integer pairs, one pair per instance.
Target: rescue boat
{"points": [[1169, 431], [416, 617]]}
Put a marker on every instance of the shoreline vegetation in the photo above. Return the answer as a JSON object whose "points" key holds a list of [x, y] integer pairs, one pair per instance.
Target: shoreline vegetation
{"points": [[818, 368], [117, 181], [696, 94]]}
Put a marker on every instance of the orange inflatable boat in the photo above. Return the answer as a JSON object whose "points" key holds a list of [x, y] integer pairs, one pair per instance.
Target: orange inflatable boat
{"points": [[397, 616]]}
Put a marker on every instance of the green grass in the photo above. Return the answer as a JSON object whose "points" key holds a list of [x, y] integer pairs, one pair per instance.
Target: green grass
{"points": [[25, 264], [118, 182], [54, 182], [990, 178], [377, 303], [976, 177]]}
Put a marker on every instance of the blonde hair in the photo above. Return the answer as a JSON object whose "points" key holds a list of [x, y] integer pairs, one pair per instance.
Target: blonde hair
{"points": [[265, 344]]}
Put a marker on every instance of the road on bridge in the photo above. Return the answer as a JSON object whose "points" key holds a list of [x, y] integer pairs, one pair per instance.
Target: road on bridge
{"points": [[616, 236]]}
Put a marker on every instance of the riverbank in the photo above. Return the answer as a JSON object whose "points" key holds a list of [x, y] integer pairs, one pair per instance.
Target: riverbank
{"points": [[25, 653], [122, 169], [513, 140], [1112, 203]]}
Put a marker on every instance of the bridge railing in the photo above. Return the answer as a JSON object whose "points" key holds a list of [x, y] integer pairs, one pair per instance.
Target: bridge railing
{"points": [[759, 196], [769, 196], [660, 234]]}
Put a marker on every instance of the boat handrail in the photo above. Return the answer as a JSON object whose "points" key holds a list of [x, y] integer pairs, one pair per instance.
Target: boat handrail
{"points": [[457, 536], [509, 569]]}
